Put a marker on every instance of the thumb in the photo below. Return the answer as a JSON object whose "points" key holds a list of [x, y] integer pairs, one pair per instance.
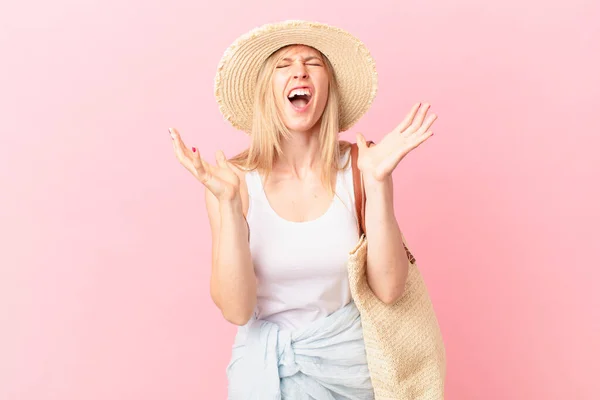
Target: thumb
{"points": [[221, 160], [361, 141], [196, 160]]}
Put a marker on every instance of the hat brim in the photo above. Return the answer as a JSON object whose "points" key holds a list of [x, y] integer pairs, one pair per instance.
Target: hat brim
{"points": [[238, 69]]}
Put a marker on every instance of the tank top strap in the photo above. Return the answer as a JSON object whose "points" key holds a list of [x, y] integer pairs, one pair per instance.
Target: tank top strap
{"points": [[254, 184], [345, 186]]}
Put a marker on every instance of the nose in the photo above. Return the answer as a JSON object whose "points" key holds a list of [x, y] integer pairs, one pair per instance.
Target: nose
{"points": [[299, 71], [301, 75]]}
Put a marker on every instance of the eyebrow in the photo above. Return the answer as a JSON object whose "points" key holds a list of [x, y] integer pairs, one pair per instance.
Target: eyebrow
{"points": [[309, 58]]}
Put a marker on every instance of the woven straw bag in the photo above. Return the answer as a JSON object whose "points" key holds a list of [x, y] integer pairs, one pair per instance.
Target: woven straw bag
{"points": [[404, 345]]}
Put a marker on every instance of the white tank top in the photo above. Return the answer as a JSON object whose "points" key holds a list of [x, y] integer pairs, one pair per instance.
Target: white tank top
{"points": [[301, 267]]}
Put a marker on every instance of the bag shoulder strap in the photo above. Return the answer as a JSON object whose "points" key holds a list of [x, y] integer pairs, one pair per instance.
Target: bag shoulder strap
{"points": [[359, 193]]}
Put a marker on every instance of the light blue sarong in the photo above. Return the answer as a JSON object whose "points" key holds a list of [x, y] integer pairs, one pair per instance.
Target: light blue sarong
{"points": [[325, 360]]}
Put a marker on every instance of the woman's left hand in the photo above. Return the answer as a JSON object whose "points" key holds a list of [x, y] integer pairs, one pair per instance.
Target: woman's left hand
{"points": [[378, 161]]}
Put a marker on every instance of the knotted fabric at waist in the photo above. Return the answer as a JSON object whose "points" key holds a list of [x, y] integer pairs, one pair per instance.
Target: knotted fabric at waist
{"points": [[324, 360]]}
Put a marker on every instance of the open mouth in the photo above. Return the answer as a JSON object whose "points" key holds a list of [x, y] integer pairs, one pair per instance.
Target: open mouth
{"points": [[300, 98]]}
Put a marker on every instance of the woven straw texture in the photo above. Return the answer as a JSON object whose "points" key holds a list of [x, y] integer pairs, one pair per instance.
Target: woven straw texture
{"points": [[404, 345], [405, 350], [238, 69]]}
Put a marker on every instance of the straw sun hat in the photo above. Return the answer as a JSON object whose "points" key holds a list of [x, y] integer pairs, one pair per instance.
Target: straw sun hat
{"points": [[238, 69]]}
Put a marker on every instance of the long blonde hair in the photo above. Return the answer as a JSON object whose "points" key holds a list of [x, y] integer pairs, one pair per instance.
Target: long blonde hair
{"points": [[268, 129]]}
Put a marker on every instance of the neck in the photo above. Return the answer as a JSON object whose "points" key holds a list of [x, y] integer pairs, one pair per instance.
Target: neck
{"points": [[301, 153]]}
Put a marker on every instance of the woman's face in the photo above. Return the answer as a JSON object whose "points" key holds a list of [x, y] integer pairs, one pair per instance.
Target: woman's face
{"points": [[301, 85]]}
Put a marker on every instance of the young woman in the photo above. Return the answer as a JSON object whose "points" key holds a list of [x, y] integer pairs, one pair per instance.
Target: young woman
{"points": [[282, 213]]}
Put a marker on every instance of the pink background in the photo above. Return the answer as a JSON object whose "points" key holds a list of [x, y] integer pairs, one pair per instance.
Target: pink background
{"points": [[104, 262]]}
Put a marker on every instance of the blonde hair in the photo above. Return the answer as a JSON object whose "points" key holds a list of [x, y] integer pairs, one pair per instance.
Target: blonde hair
{"points": [[268, 129]]}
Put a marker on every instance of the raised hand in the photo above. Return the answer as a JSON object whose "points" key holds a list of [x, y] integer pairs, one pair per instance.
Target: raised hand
{"points": [[221, 179], [379, 160]]}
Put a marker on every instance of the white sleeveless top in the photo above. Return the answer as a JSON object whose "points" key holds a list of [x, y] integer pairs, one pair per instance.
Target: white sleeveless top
{"points": [[301, 267]]}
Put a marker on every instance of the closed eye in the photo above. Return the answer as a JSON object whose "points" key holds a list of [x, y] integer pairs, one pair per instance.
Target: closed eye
{"points": [[285, 66]]}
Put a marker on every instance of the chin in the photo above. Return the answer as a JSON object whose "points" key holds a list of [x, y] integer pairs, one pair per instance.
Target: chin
{"points": [[300, 126]]}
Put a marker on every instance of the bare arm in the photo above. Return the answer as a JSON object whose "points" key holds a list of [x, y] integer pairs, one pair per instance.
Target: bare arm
{"points": [[232, 281], [387, 261]]}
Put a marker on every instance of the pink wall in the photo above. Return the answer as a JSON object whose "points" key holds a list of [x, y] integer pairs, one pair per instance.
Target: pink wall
{"points": [[104, 264]]}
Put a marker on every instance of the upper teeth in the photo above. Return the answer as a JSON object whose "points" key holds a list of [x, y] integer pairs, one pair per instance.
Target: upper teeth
{"points": [[299, 92]]}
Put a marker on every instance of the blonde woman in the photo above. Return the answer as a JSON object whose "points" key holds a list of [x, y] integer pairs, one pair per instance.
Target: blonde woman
{"points": [[282, 213]]}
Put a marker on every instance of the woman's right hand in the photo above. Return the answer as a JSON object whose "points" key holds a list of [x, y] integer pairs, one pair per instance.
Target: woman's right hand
{"points": [[221, 180]]}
